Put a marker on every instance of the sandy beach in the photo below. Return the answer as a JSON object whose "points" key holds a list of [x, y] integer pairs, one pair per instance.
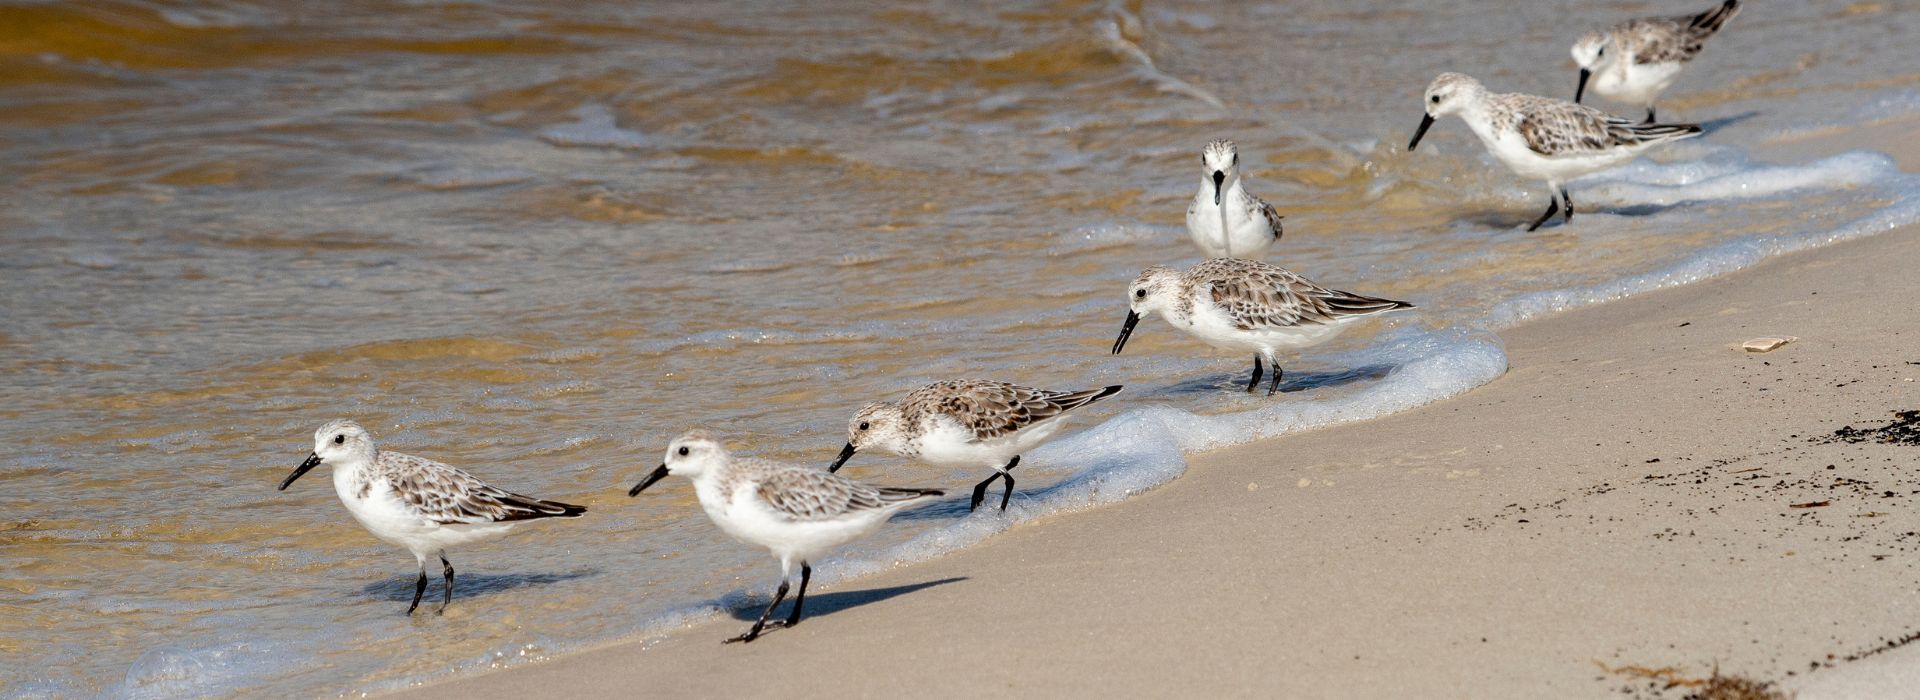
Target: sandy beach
{"points": [[1637, 503]]}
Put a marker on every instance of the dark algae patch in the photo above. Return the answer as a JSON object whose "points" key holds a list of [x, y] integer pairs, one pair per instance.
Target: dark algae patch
{"points": [[1904, 430], [1735, 688], [1647, 682]]}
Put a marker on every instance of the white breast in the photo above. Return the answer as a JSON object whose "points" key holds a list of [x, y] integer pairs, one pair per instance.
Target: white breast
{"points": [[1249, 232]]}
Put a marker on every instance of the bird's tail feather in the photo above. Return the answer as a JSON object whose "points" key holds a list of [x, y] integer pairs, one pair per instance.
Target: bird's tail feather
{"points": [[1075, 399], [1712, 20], [891, 495], [1666, 132], [526, 508], [1350, 304]]}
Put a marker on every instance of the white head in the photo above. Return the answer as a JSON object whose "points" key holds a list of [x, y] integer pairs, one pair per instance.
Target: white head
{"points": [[1152, 291], [338, 442], [1449, 93], [1590, 53], [881, 426], [1222, 166], [692, 455]]}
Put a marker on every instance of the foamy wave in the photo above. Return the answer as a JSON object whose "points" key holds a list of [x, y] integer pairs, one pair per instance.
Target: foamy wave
{"points": [[1646, 182], [1115, 29], [596, 128]]}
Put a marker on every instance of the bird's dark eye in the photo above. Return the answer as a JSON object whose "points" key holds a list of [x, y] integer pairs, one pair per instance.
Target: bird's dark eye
{"points": [[1139, 293], [1601, 52], [1436, 99], [683, 451], [863, 425], [339, 439]]}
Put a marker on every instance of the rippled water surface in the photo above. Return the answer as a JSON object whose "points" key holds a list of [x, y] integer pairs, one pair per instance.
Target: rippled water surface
{"points": [[538, 241]]}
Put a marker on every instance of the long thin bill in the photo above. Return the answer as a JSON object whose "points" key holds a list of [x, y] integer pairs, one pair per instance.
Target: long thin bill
{"points": [[846, 453], [658, 474], [1133, 317], [313, 460], [1582, 90], [1426, 120]]}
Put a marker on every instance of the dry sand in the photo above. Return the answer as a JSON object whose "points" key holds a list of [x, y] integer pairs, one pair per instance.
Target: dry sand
{"points": [[1637, 491]]}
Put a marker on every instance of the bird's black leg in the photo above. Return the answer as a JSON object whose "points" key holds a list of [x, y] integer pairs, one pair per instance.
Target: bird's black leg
{"points": [[1007, 473], [980, 492], [1568, 199], [806, 574], [779, 594], [448, 572], [980, 489], [419, 588], [1255, 382], [1650, 116], [1553, 207], [1275, 386]]}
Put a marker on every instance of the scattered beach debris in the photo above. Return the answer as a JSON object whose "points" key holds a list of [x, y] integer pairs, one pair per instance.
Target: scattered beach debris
{"points": [[1735, 688], [1668, 675], [1768, 343], [1714, 687], [1904, 430], [1812, 504]]}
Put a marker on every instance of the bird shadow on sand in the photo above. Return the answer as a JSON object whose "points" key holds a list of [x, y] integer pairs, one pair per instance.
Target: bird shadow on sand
{"points": [[1294, 381], [1713, 125], [955, 505], [467, 585], [1505, 222], [819, 604]]}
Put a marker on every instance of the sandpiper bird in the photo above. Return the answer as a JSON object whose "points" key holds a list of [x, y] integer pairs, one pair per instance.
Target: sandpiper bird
{"points": [[1223, 219], [1638, 59], [1246, 305], [966, 423], [798, 513], [419, 504], [1541, 138]]}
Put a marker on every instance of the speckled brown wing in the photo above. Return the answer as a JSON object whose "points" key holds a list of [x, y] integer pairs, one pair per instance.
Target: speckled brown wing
{"points": [[804, 494], [992, 409], [448, 495], [1256, 295], [1555, 128], [1675, 39], [1273, 217], [1660, 40]]}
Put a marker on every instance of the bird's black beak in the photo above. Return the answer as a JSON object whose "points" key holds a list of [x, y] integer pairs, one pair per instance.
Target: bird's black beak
{"points": [[1582, 90], [846, 453], [313, 460], [1218, 177], [1426, 120], [1133, 317], [659, 473]]}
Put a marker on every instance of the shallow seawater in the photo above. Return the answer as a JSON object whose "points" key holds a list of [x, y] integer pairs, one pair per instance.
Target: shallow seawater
{"points": [[538, 242]]}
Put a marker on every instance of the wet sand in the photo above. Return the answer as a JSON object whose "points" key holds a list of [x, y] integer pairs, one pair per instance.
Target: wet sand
{"points": [[1637, 502]]}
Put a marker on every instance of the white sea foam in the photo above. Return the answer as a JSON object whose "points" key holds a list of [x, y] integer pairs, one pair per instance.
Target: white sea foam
{"points": [[596, 128]]}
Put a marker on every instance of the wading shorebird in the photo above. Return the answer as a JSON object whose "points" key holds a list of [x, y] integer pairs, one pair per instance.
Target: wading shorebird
{"points": [[1247, 306], [1542, 138], [1224, 220], [966, 423], [798, 513], [419, 504], [1638, 59]]}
